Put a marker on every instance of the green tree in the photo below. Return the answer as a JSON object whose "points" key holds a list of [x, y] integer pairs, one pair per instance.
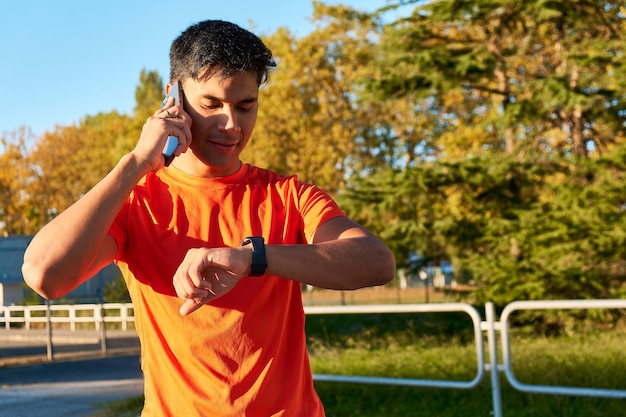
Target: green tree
{"points": [[70, 160], [520, 229], [524, 98], [16, 215], [309, 119], [149, 95], [116, 291], [569, 243], [55, 170], [510, 75]]}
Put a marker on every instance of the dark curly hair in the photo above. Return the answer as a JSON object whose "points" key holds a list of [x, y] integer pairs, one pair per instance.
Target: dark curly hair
{"points": [[216, 47]]}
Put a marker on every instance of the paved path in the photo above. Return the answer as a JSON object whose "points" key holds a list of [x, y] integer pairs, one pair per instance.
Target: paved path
{"points": [[21, 347], [63, 399], [68, 388], [79, 376]]}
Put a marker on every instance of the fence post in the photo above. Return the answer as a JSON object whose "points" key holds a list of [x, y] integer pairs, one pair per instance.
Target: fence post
{"points": [[124, 316], [72, 316], [49, 347], [493, 359], [103, 336]]}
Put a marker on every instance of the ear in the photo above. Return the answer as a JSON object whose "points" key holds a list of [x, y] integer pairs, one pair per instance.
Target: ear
{"points": [[168, 86]]}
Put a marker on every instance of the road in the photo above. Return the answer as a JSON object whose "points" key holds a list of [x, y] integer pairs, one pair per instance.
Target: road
{"points": [[79, 377]]}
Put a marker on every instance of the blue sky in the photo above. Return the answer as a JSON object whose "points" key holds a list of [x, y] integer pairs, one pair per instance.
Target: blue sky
{"points": [[64, 59]]}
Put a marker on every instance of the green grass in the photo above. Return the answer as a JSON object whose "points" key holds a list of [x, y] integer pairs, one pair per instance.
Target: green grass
{"points": [[451, 363], [121, 408], [441, 346]]}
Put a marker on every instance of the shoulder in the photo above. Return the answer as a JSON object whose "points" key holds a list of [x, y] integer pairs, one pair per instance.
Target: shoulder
{"points": [[267, 175], [288, 185], [266, 178]]}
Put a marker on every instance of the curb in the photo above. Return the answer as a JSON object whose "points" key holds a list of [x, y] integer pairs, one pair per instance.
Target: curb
{"points": [[66, 357]]}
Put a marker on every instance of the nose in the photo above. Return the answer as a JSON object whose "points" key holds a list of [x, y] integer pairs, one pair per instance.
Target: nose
{"points": [[228, 121]]}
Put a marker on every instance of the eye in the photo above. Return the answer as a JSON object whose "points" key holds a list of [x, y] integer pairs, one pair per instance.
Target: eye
{"points": [[212, 105], [245, 108]]}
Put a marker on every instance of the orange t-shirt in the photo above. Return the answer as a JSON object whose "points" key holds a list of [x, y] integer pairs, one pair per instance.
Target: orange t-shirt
{"points": [[245, 353]]}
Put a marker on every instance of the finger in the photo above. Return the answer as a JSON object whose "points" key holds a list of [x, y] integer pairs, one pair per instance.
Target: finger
{"points": [[188, 291], [182, 130], [169, 113], [184, 285], [189, 306], [182, 135], [179, 127], [196, 271], [169, 103]]}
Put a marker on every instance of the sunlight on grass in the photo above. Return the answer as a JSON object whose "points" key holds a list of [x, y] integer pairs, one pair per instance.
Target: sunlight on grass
{"points": [[435, 362]]}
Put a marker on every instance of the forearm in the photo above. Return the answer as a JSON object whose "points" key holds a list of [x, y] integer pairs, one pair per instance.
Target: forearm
{"points": [[67, 251], [343, 264]]}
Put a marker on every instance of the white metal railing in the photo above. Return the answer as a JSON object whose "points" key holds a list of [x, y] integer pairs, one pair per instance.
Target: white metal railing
{"points": [[490, 326], [122, 313], [410, 308], [71, 314], [553, 305]]}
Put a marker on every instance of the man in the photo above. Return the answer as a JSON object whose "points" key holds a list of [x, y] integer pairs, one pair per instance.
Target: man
{"points": [[176, 232]]}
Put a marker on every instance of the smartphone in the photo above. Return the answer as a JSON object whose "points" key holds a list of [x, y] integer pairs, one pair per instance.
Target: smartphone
{"points": [[172, 141]]}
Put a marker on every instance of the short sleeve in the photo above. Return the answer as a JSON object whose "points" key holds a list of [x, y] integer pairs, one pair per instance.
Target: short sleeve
{"points": [[118, 230], [316, 207]]}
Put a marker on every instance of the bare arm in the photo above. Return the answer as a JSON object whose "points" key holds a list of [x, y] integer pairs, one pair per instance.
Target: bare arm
{"points": [[75, 245], [342, 256]]}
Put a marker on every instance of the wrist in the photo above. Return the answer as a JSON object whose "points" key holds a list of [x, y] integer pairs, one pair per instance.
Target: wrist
{"points": [[135, 165], [258, 264]]}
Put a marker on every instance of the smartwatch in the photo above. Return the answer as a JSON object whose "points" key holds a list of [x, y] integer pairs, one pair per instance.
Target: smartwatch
{"points": [[259, 261]]}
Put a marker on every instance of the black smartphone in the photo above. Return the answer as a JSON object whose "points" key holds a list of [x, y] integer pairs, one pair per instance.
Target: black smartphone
{"points": [[172, 141]]}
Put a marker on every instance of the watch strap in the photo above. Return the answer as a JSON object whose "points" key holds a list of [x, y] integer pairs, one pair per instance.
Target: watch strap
{"points": [[259, 260]]}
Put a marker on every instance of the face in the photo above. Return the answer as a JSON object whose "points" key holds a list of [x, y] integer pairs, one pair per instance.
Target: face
{"points": [[223, 113]]}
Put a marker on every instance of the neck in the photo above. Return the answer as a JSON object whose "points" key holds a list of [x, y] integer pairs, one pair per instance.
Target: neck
{"points": [[193, 166]]}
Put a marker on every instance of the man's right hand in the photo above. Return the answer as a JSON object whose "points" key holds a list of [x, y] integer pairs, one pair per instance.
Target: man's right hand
{"points": [[206, 274], [169, 120]]}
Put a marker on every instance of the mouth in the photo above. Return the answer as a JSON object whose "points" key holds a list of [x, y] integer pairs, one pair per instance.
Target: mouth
{"points": [[223, 147]]}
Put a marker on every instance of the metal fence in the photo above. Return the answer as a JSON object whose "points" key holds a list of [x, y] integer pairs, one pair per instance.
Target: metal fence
{"points": [[490, 326], [122, 314], [72, 315]]}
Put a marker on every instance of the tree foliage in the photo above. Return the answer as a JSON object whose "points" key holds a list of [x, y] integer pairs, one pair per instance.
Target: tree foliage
{"points": [[70, 160], [519, 229], [42, 177], [518, 181], [309, 121], [17, 216], [503, 75]]}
